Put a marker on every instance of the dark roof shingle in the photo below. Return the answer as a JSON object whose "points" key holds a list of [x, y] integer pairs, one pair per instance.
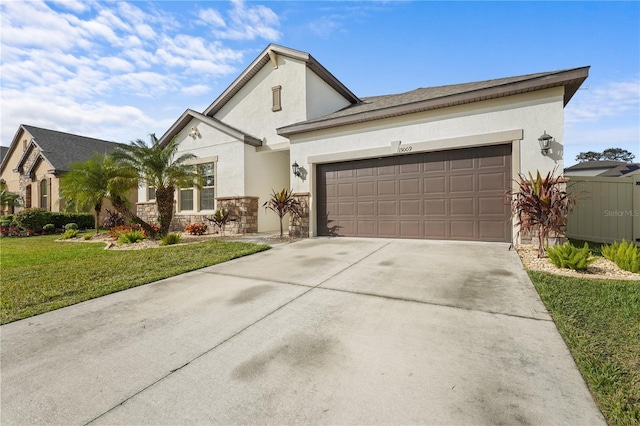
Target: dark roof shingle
{"points": [[63, 149]]}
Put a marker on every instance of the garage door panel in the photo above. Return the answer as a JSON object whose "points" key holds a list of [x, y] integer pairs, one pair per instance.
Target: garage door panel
{"points": [[409, 186], [366, 208], [435, 185], [462, 229], [365, 172], [492, 230], [346, 190], [346, 209], [435, 206], [387, 187], [491, 181], [435, 229], [387, 208], [366, 189], [455, 194], [461, 183], [387, 228], [492, 206], [410, 207], [462, 206], [367, 228], [410, 229]]}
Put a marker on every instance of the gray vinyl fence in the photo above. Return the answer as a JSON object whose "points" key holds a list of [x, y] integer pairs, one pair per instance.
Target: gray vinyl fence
{"points": [[608, 208]]}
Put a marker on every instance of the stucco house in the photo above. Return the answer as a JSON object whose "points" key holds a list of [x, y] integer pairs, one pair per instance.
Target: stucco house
{"points": [[430, 163], [37, 158]]}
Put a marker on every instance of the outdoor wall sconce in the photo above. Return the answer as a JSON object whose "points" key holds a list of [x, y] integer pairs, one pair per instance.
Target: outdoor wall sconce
{"points": [[194, 133], [545, 143], [296, 169]]}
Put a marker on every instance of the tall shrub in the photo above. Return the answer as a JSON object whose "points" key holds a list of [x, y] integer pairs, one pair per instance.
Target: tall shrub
{"points": [[542, 205], [281, 203], [32, 219]]}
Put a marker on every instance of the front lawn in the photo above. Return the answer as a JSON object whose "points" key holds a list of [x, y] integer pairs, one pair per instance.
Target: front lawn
{"points": [[600, 322], [39, 274]]}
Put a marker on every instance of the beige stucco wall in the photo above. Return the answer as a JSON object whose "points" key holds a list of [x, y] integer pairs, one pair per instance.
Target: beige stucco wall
{"points": [[529, 114], [250, 109], [321, 99], [265, 171]]}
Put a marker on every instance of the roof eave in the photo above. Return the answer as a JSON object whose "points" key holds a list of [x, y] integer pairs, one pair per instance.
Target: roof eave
{"points": [[190, 114], [571, 80]]}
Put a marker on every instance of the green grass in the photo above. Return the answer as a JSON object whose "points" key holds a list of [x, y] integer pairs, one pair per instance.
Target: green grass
{"points": [[600, 322], [39, 274]]}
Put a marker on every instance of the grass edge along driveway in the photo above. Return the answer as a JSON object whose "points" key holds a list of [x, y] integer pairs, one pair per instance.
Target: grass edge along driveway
{"points": [[600, 322], [39, 274]]}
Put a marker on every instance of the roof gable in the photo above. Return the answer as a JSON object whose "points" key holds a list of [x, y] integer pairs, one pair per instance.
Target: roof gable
{"points": [[190, 114], [595, 164], [430, 98], [270, 54], [60, 149]]}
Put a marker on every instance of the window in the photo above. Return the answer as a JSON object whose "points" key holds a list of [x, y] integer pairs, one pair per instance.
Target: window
{"points": [[186, 199], [27, 197], [43, 194], [207, 193], [151, 193], [275, 91]]}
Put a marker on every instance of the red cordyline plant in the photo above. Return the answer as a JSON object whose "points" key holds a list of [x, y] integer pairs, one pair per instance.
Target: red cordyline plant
{"points": [[541, 204], [283, 202]]}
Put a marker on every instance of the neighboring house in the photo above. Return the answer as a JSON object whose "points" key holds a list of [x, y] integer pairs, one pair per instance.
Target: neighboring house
{"points": [[38, 157], [602, 168], [430, 163]]}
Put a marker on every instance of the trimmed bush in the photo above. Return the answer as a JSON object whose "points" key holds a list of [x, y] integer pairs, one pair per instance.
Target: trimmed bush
{"points": [[49, 228], [83, 220], [71, 225], [32, 219], [6, 220], [625, 255], [570, 257]]}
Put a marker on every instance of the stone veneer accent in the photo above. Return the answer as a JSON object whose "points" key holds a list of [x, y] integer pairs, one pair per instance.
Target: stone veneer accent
{"points": [[299, 225], [243, 215]]}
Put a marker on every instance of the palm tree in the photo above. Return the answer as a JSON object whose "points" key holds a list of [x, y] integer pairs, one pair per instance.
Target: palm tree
{"points": [[87, 184], [283, 202], [161, 168]]}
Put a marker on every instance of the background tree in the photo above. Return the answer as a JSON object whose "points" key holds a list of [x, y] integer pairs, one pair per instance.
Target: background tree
{"points": [[87, 184], [611, 154], [617, 154], [162, 169], [282, 202]]}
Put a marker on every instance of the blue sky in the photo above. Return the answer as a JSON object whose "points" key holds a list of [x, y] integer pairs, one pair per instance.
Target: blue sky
{"points": [[121, 70]]}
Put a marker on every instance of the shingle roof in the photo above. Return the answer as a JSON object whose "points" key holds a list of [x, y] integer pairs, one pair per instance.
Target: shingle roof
{"points": [[596, 164], [621, 170], [424, 99], [63, 149]]}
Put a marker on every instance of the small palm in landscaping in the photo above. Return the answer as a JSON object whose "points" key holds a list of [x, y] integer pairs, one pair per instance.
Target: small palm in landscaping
{"points": [[283, 202], [220, 219], [570, 257]]}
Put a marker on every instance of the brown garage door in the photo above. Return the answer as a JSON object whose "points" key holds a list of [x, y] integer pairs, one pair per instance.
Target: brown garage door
{"points": [[455, 194]]}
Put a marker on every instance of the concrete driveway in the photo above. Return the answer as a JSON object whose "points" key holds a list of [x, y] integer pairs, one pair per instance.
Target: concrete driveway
{"points": [[331, 331]]}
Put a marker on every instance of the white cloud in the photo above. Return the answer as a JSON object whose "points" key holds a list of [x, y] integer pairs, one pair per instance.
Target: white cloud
{"points": [[249, 23], [599, 102], [196, 89], [212, 17], [73, 5]]}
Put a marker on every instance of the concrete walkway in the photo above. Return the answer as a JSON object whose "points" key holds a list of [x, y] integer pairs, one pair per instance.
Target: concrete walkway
{"points": [[322, 331]]}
